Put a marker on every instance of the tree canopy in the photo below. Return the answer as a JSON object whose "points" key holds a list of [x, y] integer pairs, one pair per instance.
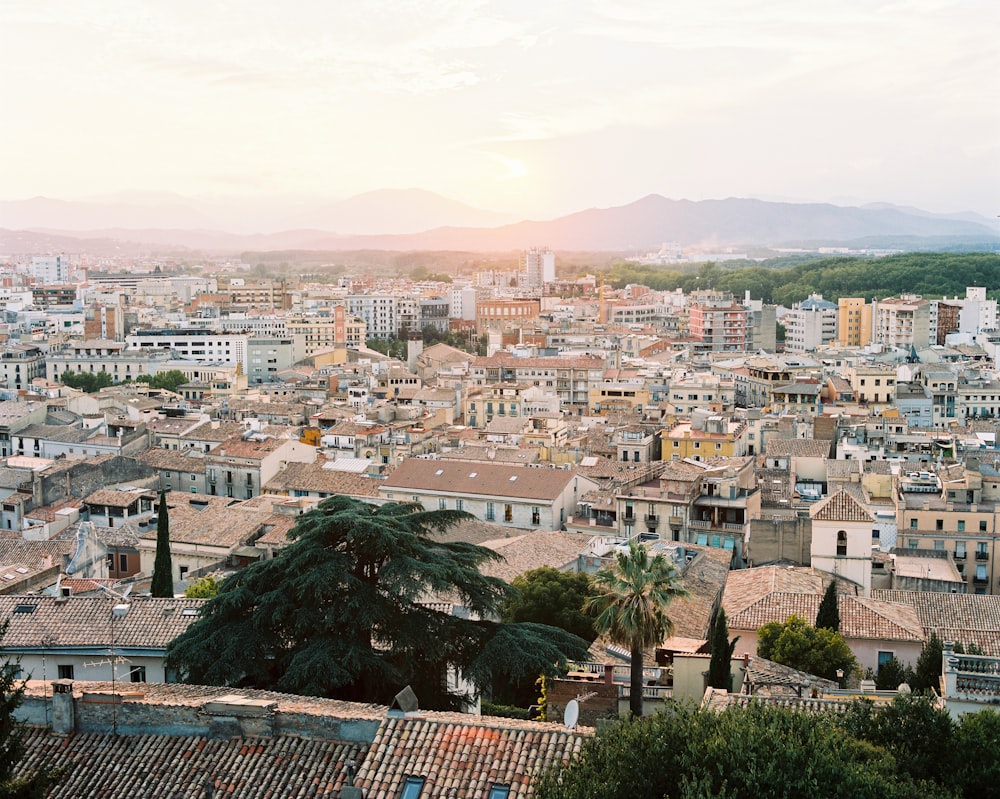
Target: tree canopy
{"points": [[788, 280], [629, 605], [549, 596], [344, 611], [905, 749], [798, 644], [86, 381], [169, 380]]}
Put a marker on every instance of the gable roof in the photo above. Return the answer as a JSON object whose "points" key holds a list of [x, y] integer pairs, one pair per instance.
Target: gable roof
{"points": [[860, 618], [841, 507]]}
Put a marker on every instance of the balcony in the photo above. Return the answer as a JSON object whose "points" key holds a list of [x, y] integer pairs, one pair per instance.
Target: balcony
{"points": [[652, 518], [982, 556], [676, 522]]}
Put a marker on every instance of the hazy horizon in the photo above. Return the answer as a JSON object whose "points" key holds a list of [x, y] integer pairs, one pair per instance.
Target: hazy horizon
{"points": [[525, 110]]}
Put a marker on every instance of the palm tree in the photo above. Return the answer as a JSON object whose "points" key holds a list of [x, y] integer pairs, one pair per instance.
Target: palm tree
{"points": [[630, 606]]}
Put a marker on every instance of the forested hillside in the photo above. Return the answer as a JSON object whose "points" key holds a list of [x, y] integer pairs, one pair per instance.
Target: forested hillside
{"points": [[783, 283]]}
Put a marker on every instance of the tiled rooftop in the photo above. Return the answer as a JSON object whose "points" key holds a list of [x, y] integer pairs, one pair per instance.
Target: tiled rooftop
{"points": [[963, 618], [484, 479], [313, 477], [464, 759], [84, 620]]}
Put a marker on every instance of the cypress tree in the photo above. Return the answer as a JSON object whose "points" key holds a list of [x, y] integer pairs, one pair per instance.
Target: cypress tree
{"points": [[163, 570], [828, 616], [720, 673]]}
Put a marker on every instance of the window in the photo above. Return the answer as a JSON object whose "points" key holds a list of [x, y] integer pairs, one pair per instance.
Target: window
{"points": [[884, 657], [536, 516], [939, 545], [876, 534], [499, 792], [913, 543], [65, 671], [508, 513], [459, 504], [982, 550], [122, 563], [841, 543], [490, 512], [959, 550], [442, 503], [913, 524], [184, 571], [961, 525], [982, 526], [981, 573], [137, 674], [412, 788], [939, 524]]}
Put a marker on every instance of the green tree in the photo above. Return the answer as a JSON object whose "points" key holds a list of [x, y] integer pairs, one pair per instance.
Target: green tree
{"points": [[798, 644], [162, 584], [15, 782], [740, 752], [720, 668], [927, 674], [170, 380], [86, 381], [828, 616], [549, 596], [892, 674], [343, 612], [977, 738], [629, 605], [205, 588], [918, 734]]}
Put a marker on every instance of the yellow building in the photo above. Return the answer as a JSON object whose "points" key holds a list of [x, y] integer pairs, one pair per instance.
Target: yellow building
{"points": [[854, 322], [704, 437]]}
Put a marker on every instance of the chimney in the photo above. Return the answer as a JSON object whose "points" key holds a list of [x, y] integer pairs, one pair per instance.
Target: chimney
{"points": [[609, 674], [63, 711]]}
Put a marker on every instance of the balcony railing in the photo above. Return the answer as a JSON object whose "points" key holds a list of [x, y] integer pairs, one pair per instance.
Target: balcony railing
{"points": [[982, 556], [652, 518]]}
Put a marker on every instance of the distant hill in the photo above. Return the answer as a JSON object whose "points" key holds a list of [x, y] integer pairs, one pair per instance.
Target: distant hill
{"points": [[640, 226]]}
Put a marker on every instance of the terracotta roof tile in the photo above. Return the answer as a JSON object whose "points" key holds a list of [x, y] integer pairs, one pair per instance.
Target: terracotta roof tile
{"points": [[84, 620], [841, 507], [462, 757]]}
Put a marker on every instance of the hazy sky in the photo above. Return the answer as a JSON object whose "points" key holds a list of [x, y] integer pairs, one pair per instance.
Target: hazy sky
{"points": [[538, 108]]}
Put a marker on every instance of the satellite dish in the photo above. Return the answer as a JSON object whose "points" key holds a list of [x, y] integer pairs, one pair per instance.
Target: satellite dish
{"points": [[572, 714]]}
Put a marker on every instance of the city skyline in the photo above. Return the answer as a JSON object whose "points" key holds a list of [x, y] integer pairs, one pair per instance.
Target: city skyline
{"points": [[509, 107]]}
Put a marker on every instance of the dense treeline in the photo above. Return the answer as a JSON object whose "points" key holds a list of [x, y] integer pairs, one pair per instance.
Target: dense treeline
{"points": [[929, 274]]}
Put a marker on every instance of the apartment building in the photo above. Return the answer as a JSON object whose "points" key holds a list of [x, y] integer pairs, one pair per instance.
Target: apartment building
{"points": [[810, 324], [854, 322], [571, 378], [953, 510], [716, 323], [903, 322], [198, 345]]}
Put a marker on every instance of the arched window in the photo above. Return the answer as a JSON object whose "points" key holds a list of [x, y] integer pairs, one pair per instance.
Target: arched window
{"points": [[841, 542]]}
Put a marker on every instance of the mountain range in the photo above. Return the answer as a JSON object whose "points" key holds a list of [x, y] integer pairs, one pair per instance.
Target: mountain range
{"points": [[414, 219]]}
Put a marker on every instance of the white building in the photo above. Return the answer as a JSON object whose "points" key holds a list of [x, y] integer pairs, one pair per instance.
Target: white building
{"points": [[539, 268], [197, 345], [810, 324], [50, 269]]}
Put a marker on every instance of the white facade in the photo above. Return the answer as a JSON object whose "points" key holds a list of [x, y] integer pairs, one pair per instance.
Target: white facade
{"points": [[197, 345], [50, 269]]}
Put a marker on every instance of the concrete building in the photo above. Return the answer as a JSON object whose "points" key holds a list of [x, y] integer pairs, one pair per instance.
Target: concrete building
{"points": [[903, 322], [810, 324], [716, 323], [194, 344], [49, 269], [20, 364], [854, 322]]}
